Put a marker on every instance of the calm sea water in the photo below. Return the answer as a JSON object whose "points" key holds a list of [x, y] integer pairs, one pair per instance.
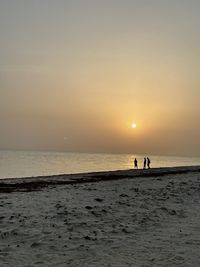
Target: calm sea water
{"points": [[15, 164]]}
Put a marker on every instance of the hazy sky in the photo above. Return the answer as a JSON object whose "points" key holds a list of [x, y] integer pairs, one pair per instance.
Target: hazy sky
{"points": [[75, 74]]}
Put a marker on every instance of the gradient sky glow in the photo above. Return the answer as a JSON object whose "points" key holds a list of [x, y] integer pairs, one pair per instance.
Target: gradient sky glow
{"points": [[76, 74]]}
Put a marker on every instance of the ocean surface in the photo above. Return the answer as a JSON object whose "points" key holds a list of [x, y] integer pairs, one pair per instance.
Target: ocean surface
{"points": [[16, 164]]}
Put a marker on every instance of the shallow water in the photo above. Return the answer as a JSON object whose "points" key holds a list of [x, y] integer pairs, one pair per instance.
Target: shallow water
{"points": [[33, 163]]}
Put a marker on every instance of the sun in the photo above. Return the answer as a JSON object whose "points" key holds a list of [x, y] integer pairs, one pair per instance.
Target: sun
{"points": [[133, 125]]}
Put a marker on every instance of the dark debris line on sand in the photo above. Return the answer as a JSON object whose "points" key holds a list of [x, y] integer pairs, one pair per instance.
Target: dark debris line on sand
{"points": [[37, 183]]}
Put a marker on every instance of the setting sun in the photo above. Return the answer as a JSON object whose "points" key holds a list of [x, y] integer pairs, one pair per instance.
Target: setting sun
{"points": [[133, 125]]}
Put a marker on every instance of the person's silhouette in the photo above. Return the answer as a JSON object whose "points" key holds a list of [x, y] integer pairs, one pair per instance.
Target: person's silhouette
{"points": [[135, 164], [148, 163], [145, 163]]}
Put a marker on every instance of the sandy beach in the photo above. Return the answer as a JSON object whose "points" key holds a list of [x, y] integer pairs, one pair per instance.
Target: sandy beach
{"points": [[122, 218]]}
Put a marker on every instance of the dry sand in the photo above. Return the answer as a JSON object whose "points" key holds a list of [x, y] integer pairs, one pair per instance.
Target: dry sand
{"points": [[148, 218]]}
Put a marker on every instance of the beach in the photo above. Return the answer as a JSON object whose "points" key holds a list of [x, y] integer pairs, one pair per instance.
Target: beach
{"points": [[119, 218]]}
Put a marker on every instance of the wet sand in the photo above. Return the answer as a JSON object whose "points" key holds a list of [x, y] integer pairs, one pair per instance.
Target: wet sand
{"points": [[122, 218]]}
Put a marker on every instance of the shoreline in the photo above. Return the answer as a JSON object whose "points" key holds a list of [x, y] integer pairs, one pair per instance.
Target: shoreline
{"points": [[27, 184], [122, 218]]}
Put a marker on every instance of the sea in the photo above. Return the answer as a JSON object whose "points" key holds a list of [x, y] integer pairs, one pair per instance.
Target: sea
{"points": [[17, 164]]}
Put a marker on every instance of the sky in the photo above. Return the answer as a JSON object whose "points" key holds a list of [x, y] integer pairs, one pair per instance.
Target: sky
{"points": [[76, 74]]}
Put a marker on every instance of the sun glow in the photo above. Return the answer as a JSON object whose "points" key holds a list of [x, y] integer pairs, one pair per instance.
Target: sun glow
{"points": [[133, 125]]}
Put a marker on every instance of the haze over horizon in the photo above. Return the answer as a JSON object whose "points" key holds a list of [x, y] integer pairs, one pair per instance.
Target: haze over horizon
{"points": [[75, 75]]}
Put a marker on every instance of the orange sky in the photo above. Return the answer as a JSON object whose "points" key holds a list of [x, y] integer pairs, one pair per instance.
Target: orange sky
{"points": [[74, 76]]}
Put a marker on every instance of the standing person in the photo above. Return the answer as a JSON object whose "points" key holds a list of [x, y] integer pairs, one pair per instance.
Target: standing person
{"points": [[135, 164], [145, 163], [148, 163]]}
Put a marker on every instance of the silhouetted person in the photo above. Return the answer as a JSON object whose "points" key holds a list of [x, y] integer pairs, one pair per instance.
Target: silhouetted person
{"points": [[145, 163], [135, 164], [148, 163]]}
